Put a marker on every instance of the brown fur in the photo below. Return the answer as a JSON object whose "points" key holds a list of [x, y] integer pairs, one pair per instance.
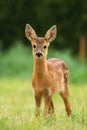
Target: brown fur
{"points": [[49, 76]]}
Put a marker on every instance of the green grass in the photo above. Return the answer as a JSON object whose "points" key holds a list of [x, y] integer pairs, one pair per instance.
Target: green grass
{"points": [[17, 108]]}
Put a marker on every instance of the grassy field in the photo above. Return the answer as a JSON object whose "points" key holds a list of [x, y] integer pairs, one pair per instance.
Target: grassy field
{"points": [[17, 108], [17, 100]]}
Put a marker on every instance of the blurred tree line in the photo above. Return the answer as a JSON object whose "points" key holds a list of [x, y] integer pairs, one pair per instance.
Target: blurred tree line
{"points": [[69, 16]]}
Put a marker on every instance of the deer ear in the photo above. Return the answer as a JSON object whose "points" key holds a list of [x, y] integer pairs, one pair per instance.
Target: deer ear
{"points": [[30, 33], [51, 33]]}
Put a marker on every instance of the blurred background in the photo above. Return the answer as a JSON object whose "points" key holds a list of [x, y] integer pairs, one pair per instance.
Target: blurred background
{"points": [[71, 43]]}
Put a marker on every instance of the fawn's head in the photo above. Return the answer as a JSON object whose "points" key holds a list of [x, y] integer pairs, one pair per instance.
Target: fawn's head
{"points": [[40, 44]]}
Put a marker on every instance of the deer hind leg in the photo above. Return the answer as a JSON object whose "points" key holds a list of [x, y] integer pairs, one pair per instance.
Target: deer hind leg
{"points": [[38, 98], [48, 105], [51, 107], [65, 97]]}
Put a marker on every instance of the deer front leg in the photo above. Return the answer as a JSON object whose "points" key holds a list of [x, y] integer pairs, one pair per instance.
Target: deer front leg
{"points": [[38, 98]]}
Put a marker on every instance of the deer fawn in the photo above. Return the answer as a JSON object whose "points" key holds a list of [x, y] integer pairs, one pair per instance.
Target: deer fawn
{"points": [[49, 76]]}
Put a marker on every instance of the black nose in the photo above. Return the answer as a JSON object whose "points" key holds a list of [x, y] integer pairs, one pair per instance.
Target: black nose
{"points": [[38, 54]]}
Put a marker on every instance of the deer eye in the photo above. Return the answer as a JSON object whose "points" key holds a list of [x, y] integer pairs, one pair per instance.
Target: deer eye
{"points": [[34, 46], [45, 47]]}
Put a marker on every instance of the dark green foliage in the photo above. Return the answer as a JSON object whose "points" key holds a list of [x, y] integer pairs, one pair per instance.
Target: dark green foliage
{"points": [[69, 16]]}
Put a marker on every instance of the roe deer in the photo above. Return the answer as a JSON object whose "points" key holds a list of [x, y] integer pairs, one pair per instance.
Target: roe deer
{"points": [[49, 76]]}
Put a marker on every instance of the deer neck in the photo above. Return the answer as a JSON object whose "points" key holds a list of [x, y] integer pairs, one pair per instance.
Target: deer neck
{"points": [[40, 67]]}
